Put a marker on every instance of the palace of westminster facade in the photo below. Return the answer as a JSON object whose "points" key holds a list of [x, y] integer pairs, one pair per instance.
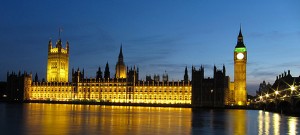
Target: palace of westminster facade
{"points": [[125, 86]]}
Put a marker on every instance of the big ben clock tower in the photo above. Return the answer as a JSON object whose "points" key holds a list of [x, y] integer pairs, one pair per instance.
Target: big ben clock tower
{"points": [[240, 62]]}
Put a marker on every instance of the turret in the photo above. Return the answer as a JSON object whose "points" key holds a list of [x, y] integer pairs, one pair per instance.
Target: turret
{"points": [[224, 70], [99, 74], [77, 76], [165, 77], [186, 76], [67, 47], [132, 75], [49, 46], [36, 78], [215, 69], [59, 45], [106, 72]]}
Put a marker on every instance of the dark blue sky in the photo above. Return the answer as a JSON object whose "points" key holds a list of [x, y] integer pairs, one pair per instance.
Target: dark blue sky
{"points": [[157, 36]]}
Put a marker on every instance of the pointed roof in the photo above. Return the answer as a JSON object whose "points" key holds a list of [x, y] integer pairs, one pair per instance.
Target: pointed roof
{"points": [[185, 71], [240, 33], [106, 66], [240, 41], [121, 53]]}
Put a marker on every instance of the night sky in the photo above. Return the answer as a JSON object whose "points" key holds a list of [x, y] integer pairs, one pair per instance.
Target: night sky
{"points": [[157, 36]]}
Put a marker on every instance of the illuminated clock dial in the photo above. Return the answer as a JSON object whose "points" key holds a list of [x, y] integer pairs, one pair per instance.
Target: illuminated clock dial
{"points": [[240, 56]]}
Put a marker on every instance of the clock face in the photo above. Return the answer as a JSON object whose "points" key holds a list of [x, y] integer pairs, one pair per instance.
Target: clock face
{"points": [[240, 56]]}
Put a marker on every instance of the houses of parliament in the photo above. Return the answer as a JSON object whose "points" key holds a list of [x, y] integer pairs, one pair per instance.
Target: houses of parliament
{"points": [[126, 87]]}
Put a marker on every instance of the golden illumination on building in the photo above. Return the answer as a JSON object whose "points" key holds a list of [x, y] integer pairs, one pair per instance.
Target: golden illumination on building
{"points": [[120, 66], [117, 92], [58, 62], [240, 63]]}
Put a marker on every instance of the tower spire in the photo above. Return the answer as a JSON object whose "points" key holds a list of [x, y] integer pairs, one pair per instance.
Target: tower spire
{"points": [[120, 66], [240, 33], [240, 41], [106, 71], [121, 53], [186, 76]]}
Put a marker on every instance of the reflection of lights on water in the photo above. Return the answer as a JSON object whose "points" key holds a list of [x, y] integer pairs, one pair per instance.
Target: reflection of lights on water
{"points": [[260, 122], [267, 122], [276, 123], [292, 122]]}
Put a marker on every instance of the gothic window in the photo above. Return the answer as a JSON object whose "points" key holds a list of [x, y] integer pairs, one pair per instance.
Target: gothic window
{"points": [[53, 65]]}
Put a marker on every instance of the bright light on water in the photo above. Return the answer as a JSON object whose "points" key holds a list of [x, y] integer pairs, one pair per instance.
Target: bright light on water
{"points": [[95, 119]]}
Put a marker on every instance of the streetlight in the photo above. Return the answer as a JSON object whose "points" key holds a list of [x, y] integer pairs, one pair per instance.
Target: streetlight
{"points": [[267, 95], [292, 89]]}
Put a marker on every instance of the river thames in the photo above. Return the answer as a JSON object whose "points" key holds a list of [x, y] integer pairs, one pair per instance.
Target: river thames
{"points": [[36, 118]]}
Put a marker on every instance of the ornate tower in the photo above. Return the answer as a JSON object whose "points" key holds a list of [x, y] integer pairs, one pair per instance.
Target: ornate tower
{"points": [[58, 62], [240, 63], [120, 66]]}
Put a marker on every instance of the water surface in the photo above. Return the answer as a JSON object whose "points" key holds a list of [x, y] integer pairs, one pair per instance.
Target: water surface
{"points": [[34, 118]]}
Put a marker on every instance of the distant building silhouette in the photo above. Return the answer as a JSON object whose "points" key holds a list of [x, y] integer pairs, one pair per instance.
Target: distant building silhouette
{"points": [[282, 83], [209, 92], [18, 86]]}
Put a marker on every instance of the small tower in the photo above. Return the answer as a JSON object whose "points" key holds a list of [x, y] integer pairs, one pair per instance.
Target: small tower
{"points": [[58, 62], [240, 63], [106, 72], [165, 77], [120, 66], [133, 75], [36, 78], [99, 74], [186, 76]]}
